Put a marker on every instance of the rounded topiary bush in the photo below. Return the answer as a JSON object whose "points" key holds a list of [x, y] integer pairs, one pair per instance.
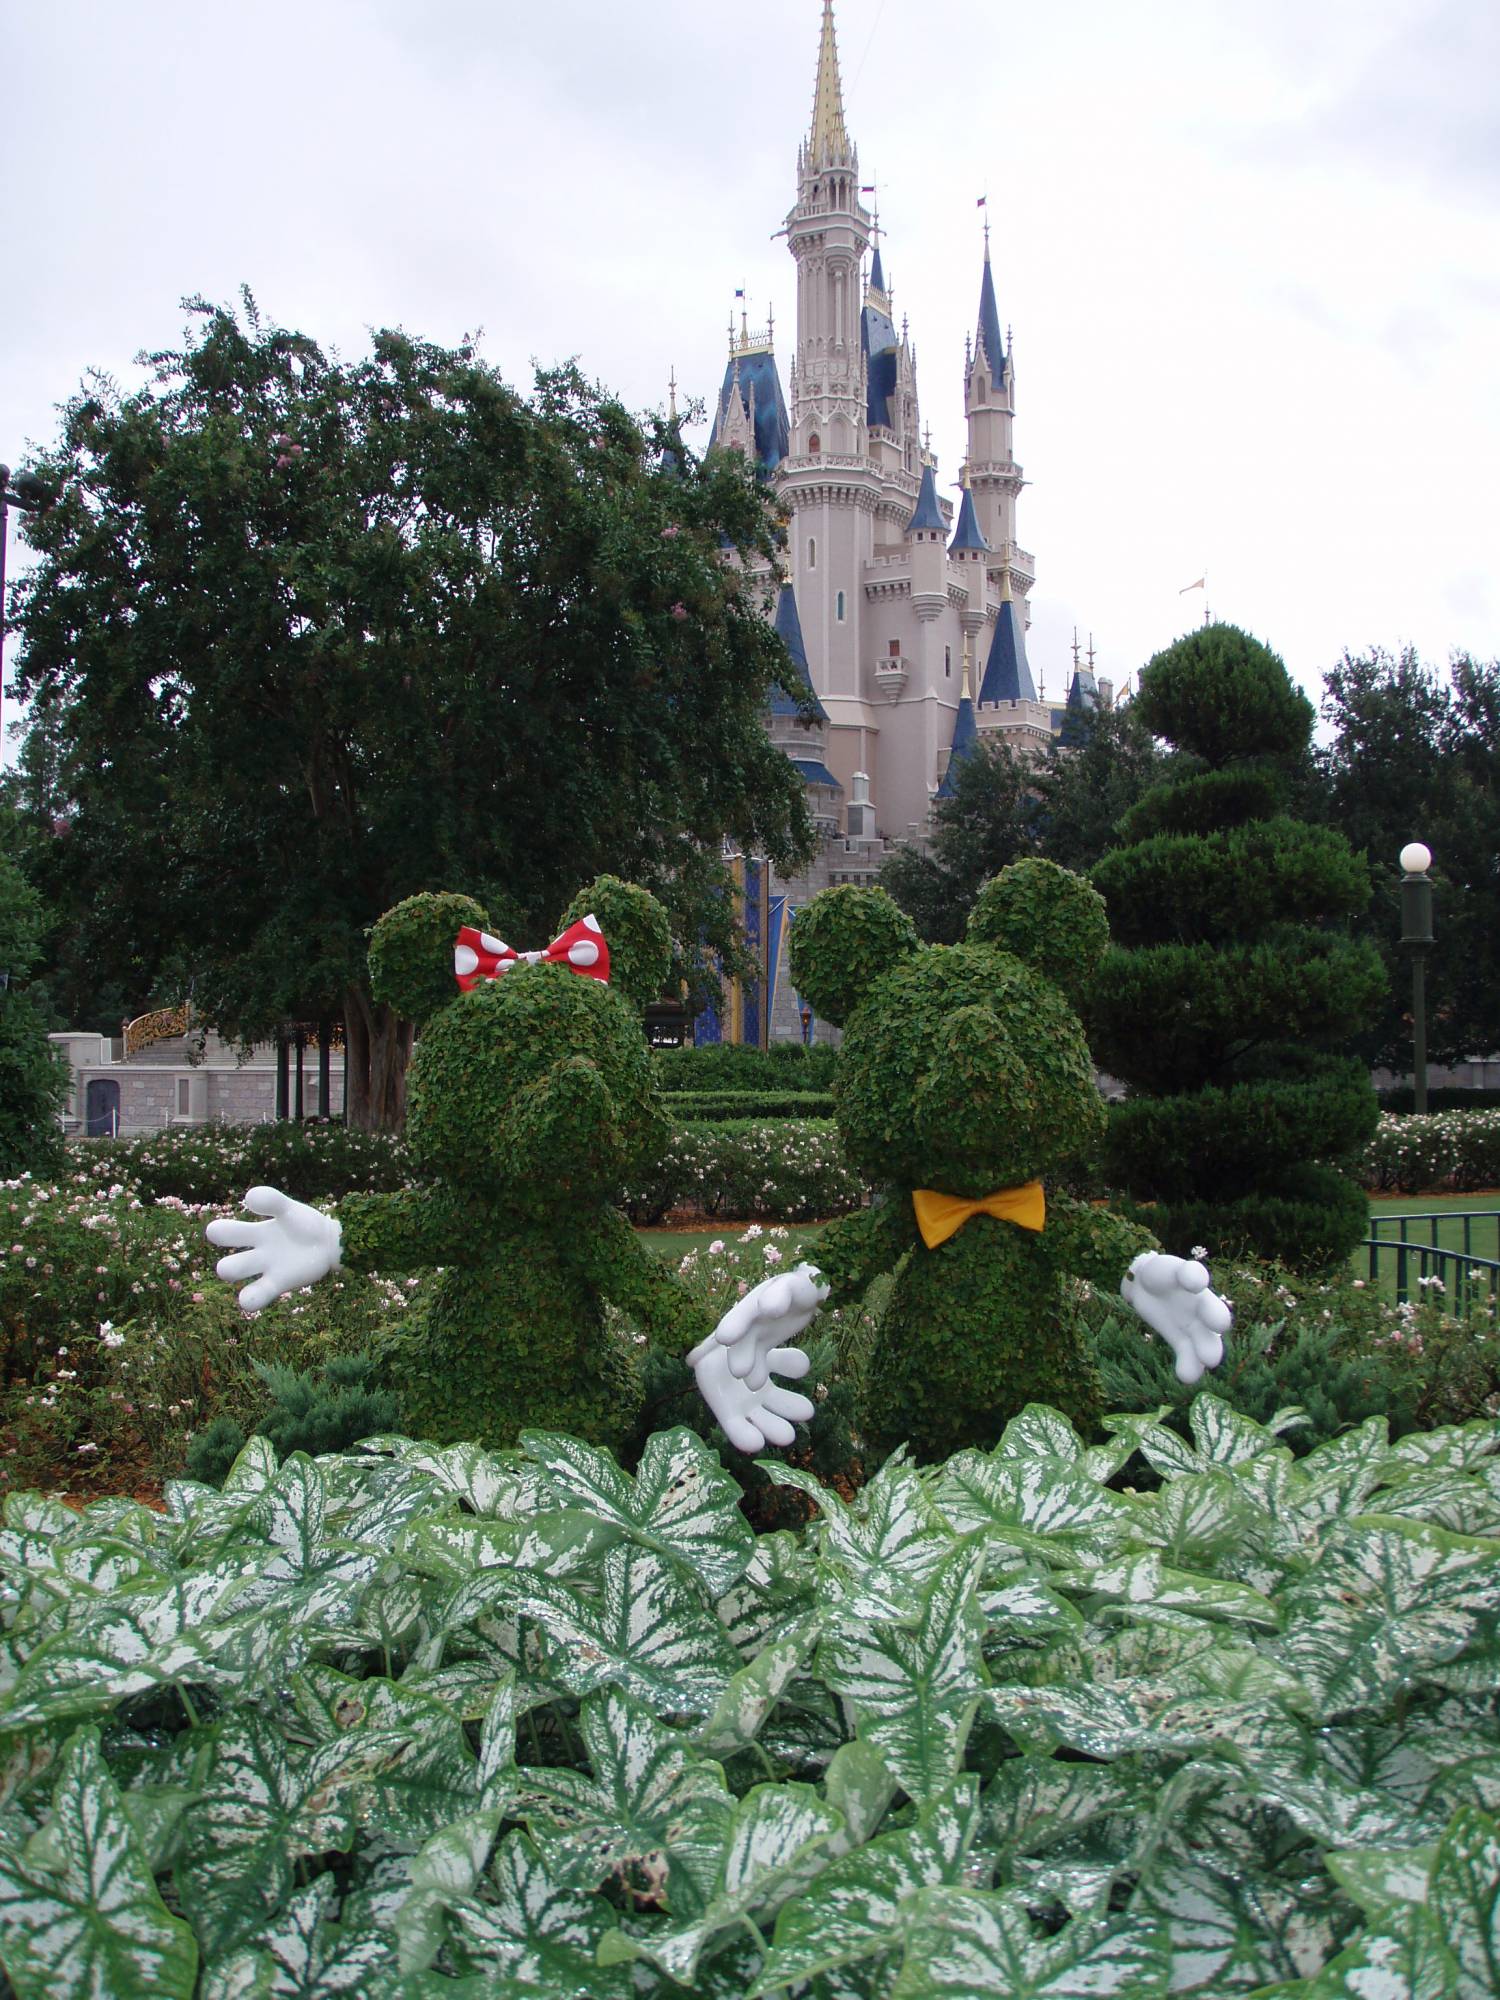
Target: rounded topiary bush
{"points": [[1234, 986]]}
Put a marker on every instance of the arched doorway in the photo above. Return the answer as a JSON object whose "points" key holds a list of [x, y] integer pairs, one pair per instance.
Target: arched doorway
{"points": [[101, 1118]]}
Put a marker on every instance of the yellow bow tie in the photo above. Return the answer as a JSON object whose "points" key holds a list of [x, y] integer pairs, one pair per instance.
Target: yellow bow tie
{"points": [[940, 1216]]}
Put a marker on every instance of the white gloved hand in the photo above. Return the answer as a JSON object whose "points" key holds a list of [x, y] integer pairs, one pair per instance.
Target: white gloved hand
{"points": [[295, 1246], [734, 1365], [1173, 1296]]}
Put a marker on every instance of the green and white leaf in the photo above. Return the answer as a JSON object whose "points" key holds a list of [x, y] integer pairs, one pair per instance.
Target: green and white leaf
{"points": [[681, 1502], [96, 1924], [963, 1943]]}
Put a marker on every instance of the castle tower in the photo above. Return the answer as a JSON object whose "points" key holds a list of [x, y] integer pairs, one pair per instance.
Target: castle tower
{"points": [[990, 407], [828, 480]]}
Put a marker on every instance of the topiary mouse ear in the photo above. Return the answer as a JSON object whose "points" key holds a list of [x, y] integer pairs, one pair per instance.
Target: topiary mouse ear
{"points": [[842, 943], [411, 952], [1052, 920], [636, 930]]}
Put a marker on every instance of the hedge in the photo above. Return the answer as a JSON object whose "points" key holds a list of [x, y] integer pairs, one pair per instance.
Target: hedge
{"points": [[1456, 1151], [794, 1171], [732, 1066], [717, 1105]]}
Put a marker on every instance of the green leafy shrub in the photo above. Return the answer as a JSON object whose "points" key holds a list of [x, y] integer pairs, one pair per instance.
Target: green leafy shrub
{"points": [[783, 1170], [1455, 1150], [307, 1410], [419, 1719], [216, 1163], [1233, 986], [736, 1066], [722, 1104]]}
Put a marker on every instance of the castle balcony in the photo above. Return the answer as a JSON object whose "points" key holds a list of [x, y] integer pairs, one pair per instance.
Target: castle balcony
{"points": [[890, 676]]}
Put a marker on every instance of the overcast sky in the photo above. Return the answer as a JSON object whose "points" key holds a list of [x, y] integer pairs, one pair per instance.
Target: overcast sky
{"points": [[1250, 253]]}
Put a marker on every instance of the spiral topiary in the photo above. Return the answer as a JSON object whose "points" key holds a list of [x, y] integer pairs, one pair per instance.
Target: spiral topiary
{"points": [[1233, 981]]}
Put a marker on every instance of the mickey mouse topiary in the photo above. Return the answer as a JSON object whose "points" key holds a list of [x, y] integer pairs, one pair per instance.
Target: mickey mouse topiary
{"points": [[531, 1101], [963, 1079]]}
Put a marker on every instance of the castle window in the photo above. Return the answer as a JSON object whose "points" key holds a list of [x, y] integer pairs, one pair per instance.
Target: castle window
{"points": [[838, 607], [812, 551], [893, 647], [815, 443], [948, 661], [184, 1097]]}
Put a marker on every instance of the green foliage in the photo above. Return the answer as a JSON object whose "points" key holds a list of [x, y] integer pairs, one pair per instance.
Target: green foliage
{"points": [[720, 1066], [411, 952], [1458, 1150], [1333, 1349], [1210, 887], [1234, 988], [417, 1717], [1220, 695], [846, 940], [1050, 919], [307, 1410], [1415, 755], [779, 1170], [742, 1104], [216, 1163], [33, 1075], [986, 822], [963, 1071], [637, 931], [393, 625]]}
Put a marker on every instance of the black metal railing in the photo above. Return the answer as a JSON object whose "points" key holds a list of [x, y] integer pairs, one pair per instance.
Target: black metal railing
{"points": [[1468, 1277]]}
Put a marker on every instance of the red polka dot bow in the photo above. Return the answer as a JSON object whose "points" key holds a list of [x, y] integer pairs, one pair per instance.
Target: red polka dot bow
{"points": [[581, 948]]}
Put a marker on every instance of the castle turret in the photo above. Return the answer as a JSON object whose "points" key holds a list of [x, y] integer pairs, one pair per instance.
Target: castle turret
{"points": [[989, 404], [1007, 675], [965, 733]]}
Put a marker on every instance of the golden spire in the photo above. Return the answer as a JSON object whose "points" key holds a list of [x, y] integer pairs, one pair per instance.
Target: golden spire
{"points": [[830, 136], [1005, 597], [967, 694]]}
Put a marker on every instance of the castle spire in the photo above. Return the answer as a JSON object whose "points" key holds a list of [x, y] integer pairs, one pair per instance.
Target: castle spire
{"points": [[987, 341], [828, 141]]}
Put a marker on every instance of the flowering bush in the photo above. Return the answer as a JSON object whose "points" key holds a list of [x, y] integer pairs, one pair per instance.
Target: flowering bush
{"points": [[792, 1170], [1457, 1150], [216, 1163]]}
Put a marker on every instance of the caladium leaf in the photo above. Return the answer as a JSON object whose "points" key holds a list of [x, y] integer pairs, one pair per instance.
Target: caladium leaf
{"points": [[1033, 1802], [1022, 1610], [1205, 1521], [1338, 1476], [777, 1842], [263, 1803], [754, 1691], [858, 1907], [533, 1937], [493, 1485], [1230, 1933], [1403, 1957], [1226, 1437], [775, 1593], [681, 1502], [1389, 1600], [562, 1542], [859, 1787], [649, 1802], [1106, 1721], [1044, 1509], [965, 1942], [1382, 1878], [1454, 1445], [96, 1925], [1144, 1580], [881, 1551], [649, 1632], [1464, 1896], [446, 1869], [913, 1691]]}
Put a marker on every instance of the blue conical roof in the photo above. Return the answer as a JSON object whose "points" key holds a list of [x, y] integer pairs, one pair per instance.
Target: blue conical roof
{"points": [[927, 513], [789, 627], [990, 344], [965, 743], [877, 272], [1083, 691], [756, 371], [1007, 676], [969, 534]]}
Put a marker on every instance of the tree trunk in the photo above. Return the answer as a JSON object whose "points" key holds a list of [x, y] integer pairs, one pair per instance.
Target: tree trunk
{"points": [[377, 1049]]}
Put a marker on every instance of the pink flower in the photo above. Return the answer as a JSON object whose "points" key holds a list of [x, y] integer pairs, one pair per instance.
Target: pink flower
{"points": [[679, 609], [671, 532], [282, 462]]}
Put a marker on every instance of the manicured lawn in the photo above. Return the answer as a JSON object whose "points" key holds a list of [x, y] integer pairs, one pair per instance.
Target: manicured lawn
{"points": [[1480, 1236]]}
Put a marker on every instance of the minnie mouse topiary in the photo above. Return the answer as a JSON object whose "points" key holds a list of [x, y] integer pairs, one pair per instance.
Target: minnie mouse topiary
{"points": [[530, 1102]]}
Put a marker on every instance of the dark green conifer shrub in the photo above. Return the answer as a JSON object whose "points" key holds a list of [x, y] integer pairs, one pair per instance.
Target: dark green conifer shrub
{"points": [[326, 1410], [1233, 986]]}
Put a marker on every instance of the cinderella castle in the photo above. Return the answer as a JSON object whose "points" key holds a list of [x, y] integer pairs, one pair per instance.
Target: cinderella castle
{"points": [[909, 626]]}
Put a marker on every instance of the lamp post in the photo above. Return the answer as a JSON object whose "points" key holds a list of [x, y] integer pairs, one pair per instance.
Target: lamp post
{"points": [[32, 496], [1416, 935]]}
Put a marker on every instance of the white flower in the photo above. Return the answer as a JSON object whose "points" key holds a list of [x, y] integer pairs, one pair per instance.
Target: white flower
{"points": [[1199, 1250], [86, 1448], [111, 1338], [716, 1248], [771, 1254]]}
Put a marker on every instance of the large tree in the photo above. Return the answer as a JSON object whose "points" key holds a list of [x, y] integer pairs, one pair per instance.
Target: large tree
{"points": [[1415, 755], [308, 635]]}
